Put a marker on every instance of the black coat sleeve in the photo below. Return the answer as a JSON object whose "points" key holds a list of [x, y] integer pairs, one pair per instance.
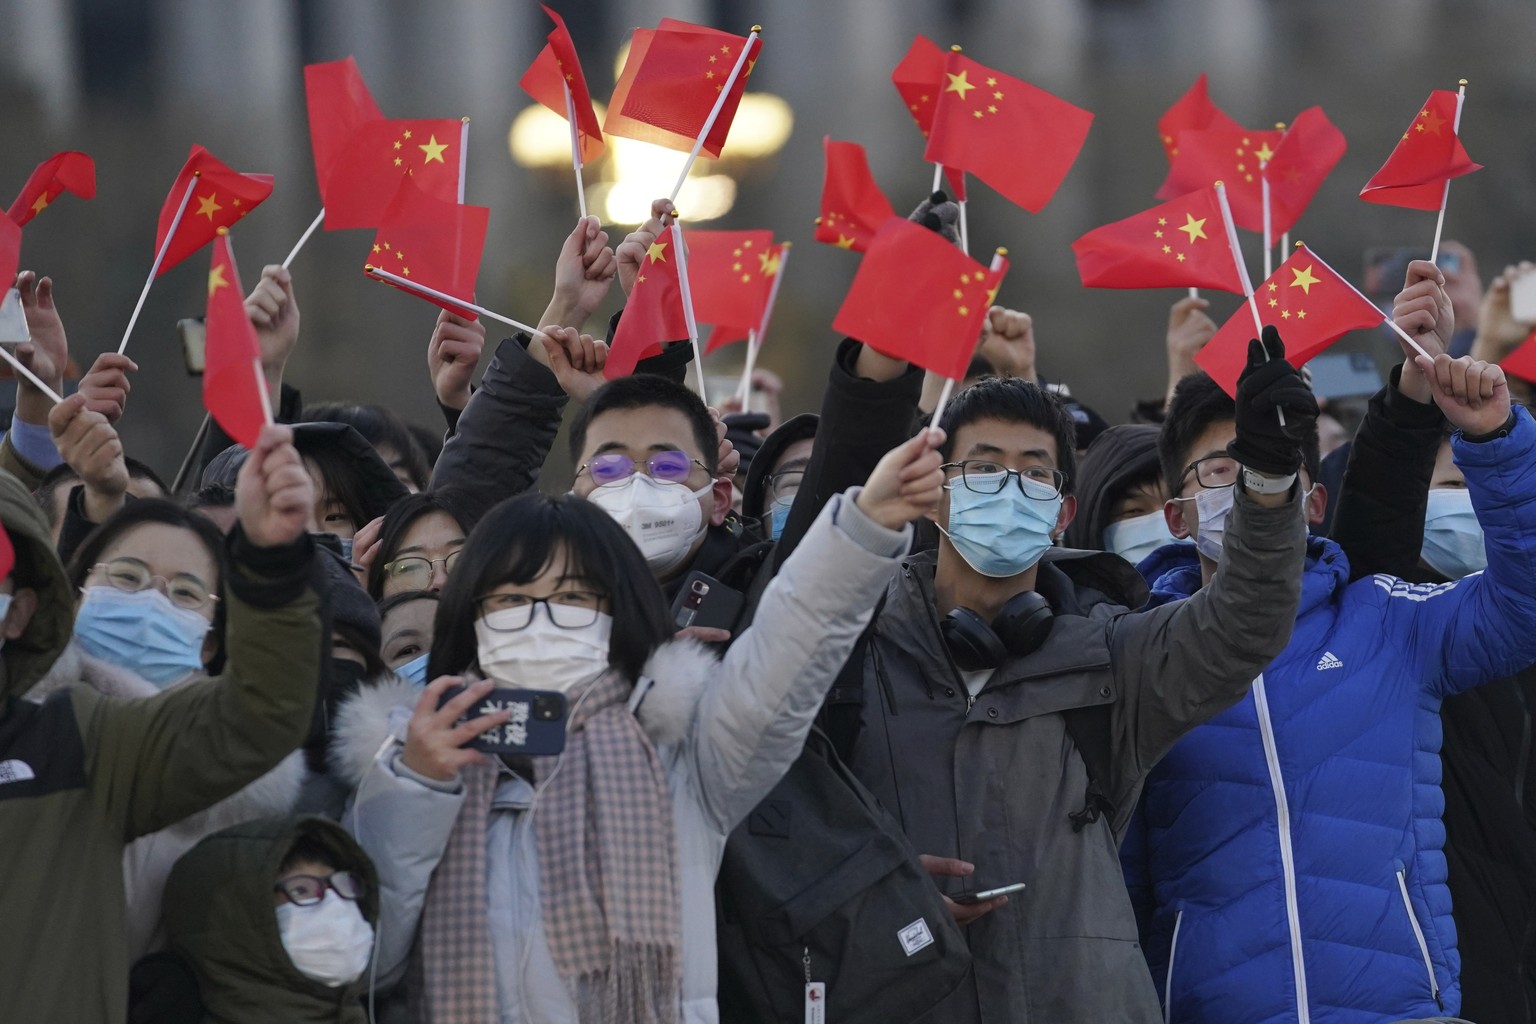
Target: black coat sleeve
{"points": [[1380, 521]]}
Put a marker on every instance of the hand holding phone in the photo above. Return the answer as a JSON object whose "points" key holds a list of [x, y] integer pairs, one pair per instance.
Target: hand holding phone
{"points": [[705, 602], [970, 899], [1522, 297], [535, 725]]}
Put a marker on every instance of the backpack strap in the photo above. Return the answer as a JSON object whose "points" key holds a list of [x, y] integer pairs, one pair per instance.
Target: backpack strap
{"points": [[1089, 728], [842, 711]]}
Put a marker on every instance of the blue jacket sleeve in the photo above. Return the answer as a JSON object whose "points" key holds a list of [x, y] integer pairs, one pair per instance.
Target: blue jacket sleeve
{"points": [[1482, 627]]}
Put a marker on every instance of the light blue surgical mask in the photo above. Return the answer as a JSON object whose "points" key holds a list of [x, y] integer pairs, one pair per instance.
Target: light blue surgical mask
{"points": [[1453, 538], [1000, 535], [346, 548], [1135, 538], [5, 609], [141, 631], [777, 517], [415, 670]]}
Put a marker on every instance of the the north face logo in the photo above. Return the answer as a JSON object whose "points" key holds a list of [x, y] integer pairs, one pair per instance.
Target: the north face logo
{"points": [[15, 771], [1329, 660]]}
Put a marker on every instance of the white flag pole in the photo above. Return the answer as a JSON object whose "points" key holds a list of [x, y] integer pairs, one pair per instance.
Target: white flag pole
{"points": [[938, 178], [463, 155], [1242, 270], [682, 282], [1461, 97], [16, 364], [378, 273], [714, 113], [755, 337], [159, 259], [314, 226], [570, 115]]}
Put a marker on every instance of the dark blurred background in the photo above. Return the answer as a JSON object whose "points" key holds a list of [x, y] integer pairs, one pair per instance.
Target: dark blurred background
{"points": [[136, 82]]}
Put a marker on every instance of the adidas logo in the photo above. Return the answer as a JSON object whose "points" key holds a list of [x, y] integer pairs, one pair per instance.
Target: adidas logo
{"points": [[1329, 660]]}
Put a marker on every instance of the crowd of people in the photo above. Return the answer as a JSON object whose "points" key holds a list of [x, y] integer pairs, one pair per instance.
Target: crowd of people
{"points": [[843, 716]]}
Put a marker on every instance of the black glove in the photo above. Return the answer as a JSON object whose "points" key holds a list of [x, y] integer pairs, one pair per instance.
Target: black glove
{"points": [[1269, 387]]}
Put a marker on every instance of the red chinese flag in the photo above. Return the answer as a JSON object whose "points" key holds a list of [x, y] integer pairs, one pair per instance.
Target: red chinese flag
{"points": [[234, 391], [7, 554], [366, 174], [985, 120], [553, 71], [1309, 304], [919, 298], [1230, 156], [1429, 155], [1306, 154], [10, 253], [657, 310], [919, 78], [432, 243], [1191, 112], [727, 276], [852, 205], [670, 82], [339, 104], [60, 173], [220, 197], [725, 333], [1181, 244], [1522, 361]]}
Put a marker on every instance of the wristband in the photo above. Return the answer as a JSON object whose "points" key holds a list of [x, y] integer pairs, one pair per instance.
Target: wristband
{"points": [[1255, 482]]}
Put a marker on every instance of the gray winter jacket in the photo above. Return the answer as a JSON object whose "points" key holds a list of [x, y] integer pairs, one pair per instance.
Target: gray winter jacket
{"points": [[993, 780]]}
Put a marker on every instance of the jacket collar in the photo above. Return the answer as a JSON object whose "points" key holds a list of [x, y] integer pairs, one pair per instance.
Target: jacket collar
{"points": [[1177, 573]]}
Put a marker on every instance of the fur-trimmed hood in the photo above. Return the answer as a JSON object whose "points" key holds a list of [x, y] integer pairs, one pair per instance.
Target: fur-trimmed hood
{"points": [[665, 701]]}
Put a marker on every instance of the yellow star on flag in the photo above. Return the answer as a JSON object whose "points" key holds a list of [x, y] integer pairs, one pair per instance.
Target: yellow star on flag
{"points": [[770, 262], [433, 149], [844, 242], [41, 204], [1303, 280], [1194, 228], [959, 83], [657, 251], [1432, 121], [208, 205], [1264, 153], [216, 280]]}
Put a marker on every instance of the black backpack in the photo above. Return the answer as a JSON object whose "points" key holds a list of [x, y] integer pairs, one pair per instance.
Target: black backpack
{"points": [[820, 884]]}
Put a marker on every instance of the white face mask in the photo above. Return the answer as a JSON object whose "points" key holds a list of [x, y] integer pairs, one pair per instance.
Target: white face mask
{"points": [[1214, 505], [542, 655], [1135, 538], [662, 517], [327, 941], [1453, 538]]}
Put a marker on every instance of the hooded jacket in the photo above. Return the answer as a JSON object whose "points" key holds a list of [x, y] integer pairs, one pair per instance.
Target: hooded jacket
{"points": [[1117, 457], [1288, 859], [82, 774], [222, 920]]}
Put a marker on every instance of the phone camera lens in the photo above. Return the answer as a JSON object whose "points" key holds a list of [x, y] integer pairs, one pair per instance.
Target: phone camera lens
{"points": [[547, 707]]}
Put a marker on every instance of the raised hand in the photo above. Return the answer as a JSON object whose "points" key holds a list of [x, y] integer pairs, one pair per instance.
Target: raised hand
{"points": [[106, 386], [46, 354], [574, 358], [88, 442], [274, 312], [584, 272], [1498, 332], [907, 483], [1268, 389], [1473, 394], [632, 250], [452, 357], [434, 741], [274, 495], [1189, 328], [1008, 343], [727, 459], [1423, 311]]}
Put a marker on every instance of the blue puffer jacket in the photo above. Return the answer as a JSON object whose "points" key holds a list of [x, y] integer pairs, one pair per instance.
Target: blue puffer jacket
{"points": [[1286, 858]]}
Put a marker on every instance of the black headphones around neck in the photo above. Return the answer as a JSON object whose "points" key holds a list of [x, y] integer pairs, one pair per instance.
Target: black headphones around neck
{"points": [[1020, 628]]}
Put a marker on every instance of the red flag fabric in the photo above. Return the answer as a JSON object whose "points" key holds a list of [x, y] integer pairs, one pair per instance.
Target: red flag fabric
{"points": [[1191, 112], [556, 69], [852, 205], [10, 252], [1428, 155], [60, 173], [1309, 304], [725, 333], [432, 243], [985, 119], [220, 197], [234, 392], [727, 276], [670, 82], [1521, 362], [339, 103], [366, 174], [657, 310], [1230, 156], [919, 78], [7, 554], [919, 298], [1306, 154], [1180, 244]]}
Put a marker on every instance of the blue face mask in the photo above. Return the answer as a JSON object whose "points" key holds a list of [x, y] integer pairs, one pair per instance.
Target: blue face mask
{"points": [[777, 518], [1453, 538], [142, 632], [1135, 538], [346, 548], [1002, 534], [415, 670]]}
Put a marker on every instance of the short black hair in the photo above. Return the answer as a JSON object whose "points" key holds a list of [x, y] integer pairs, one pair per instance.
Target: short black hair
{"points": [[515, 541], [1014, 400], [1197, 402], [138, 470], [401, 516], [341, 482], [59, 476], [379, 426], [648, 389], [214, 495], [308, 847]]}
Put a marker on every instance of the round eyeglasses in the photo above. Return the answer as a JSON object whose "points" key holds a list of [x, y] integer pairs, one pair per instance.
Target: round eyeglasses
{"points": [[414, 572], [307, 890], [671, 465], [184, 590], [1039, 482]]}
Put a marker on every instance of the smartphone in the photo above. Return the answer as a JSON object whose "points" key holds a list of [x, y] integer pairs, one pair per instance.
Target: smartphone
{"points": [[705, 601], [536, 728], [194, 344], [966, 899], [13, 320], [1522, 297]]}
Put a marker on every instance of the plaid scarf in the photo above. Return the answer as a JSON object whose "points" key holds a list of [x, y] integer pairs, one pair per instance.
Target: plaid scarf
{"points": [[608, 886]]}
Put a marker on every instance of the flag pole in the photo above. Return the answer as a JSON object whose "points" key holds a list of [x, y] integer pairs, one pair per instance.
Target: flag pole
{"points": [[314, 226], [745, 388], [1194, 293], [965, 234], [16, 364], [949, 382], [938, 178], [1412, 342], [1269, 233], [1461, 97], [463, 155], [159, 259], [570, 115], [682, 282], [380, 274], [714, 113], [1242, 270], [755, 337], [261, 377]]}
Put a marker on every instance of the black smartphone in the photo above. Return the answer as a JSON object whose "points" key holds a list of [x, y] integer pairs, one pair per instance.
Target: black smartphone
{"points": [[705, 601], [966, 899], [194, 344], [536, 728]]}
